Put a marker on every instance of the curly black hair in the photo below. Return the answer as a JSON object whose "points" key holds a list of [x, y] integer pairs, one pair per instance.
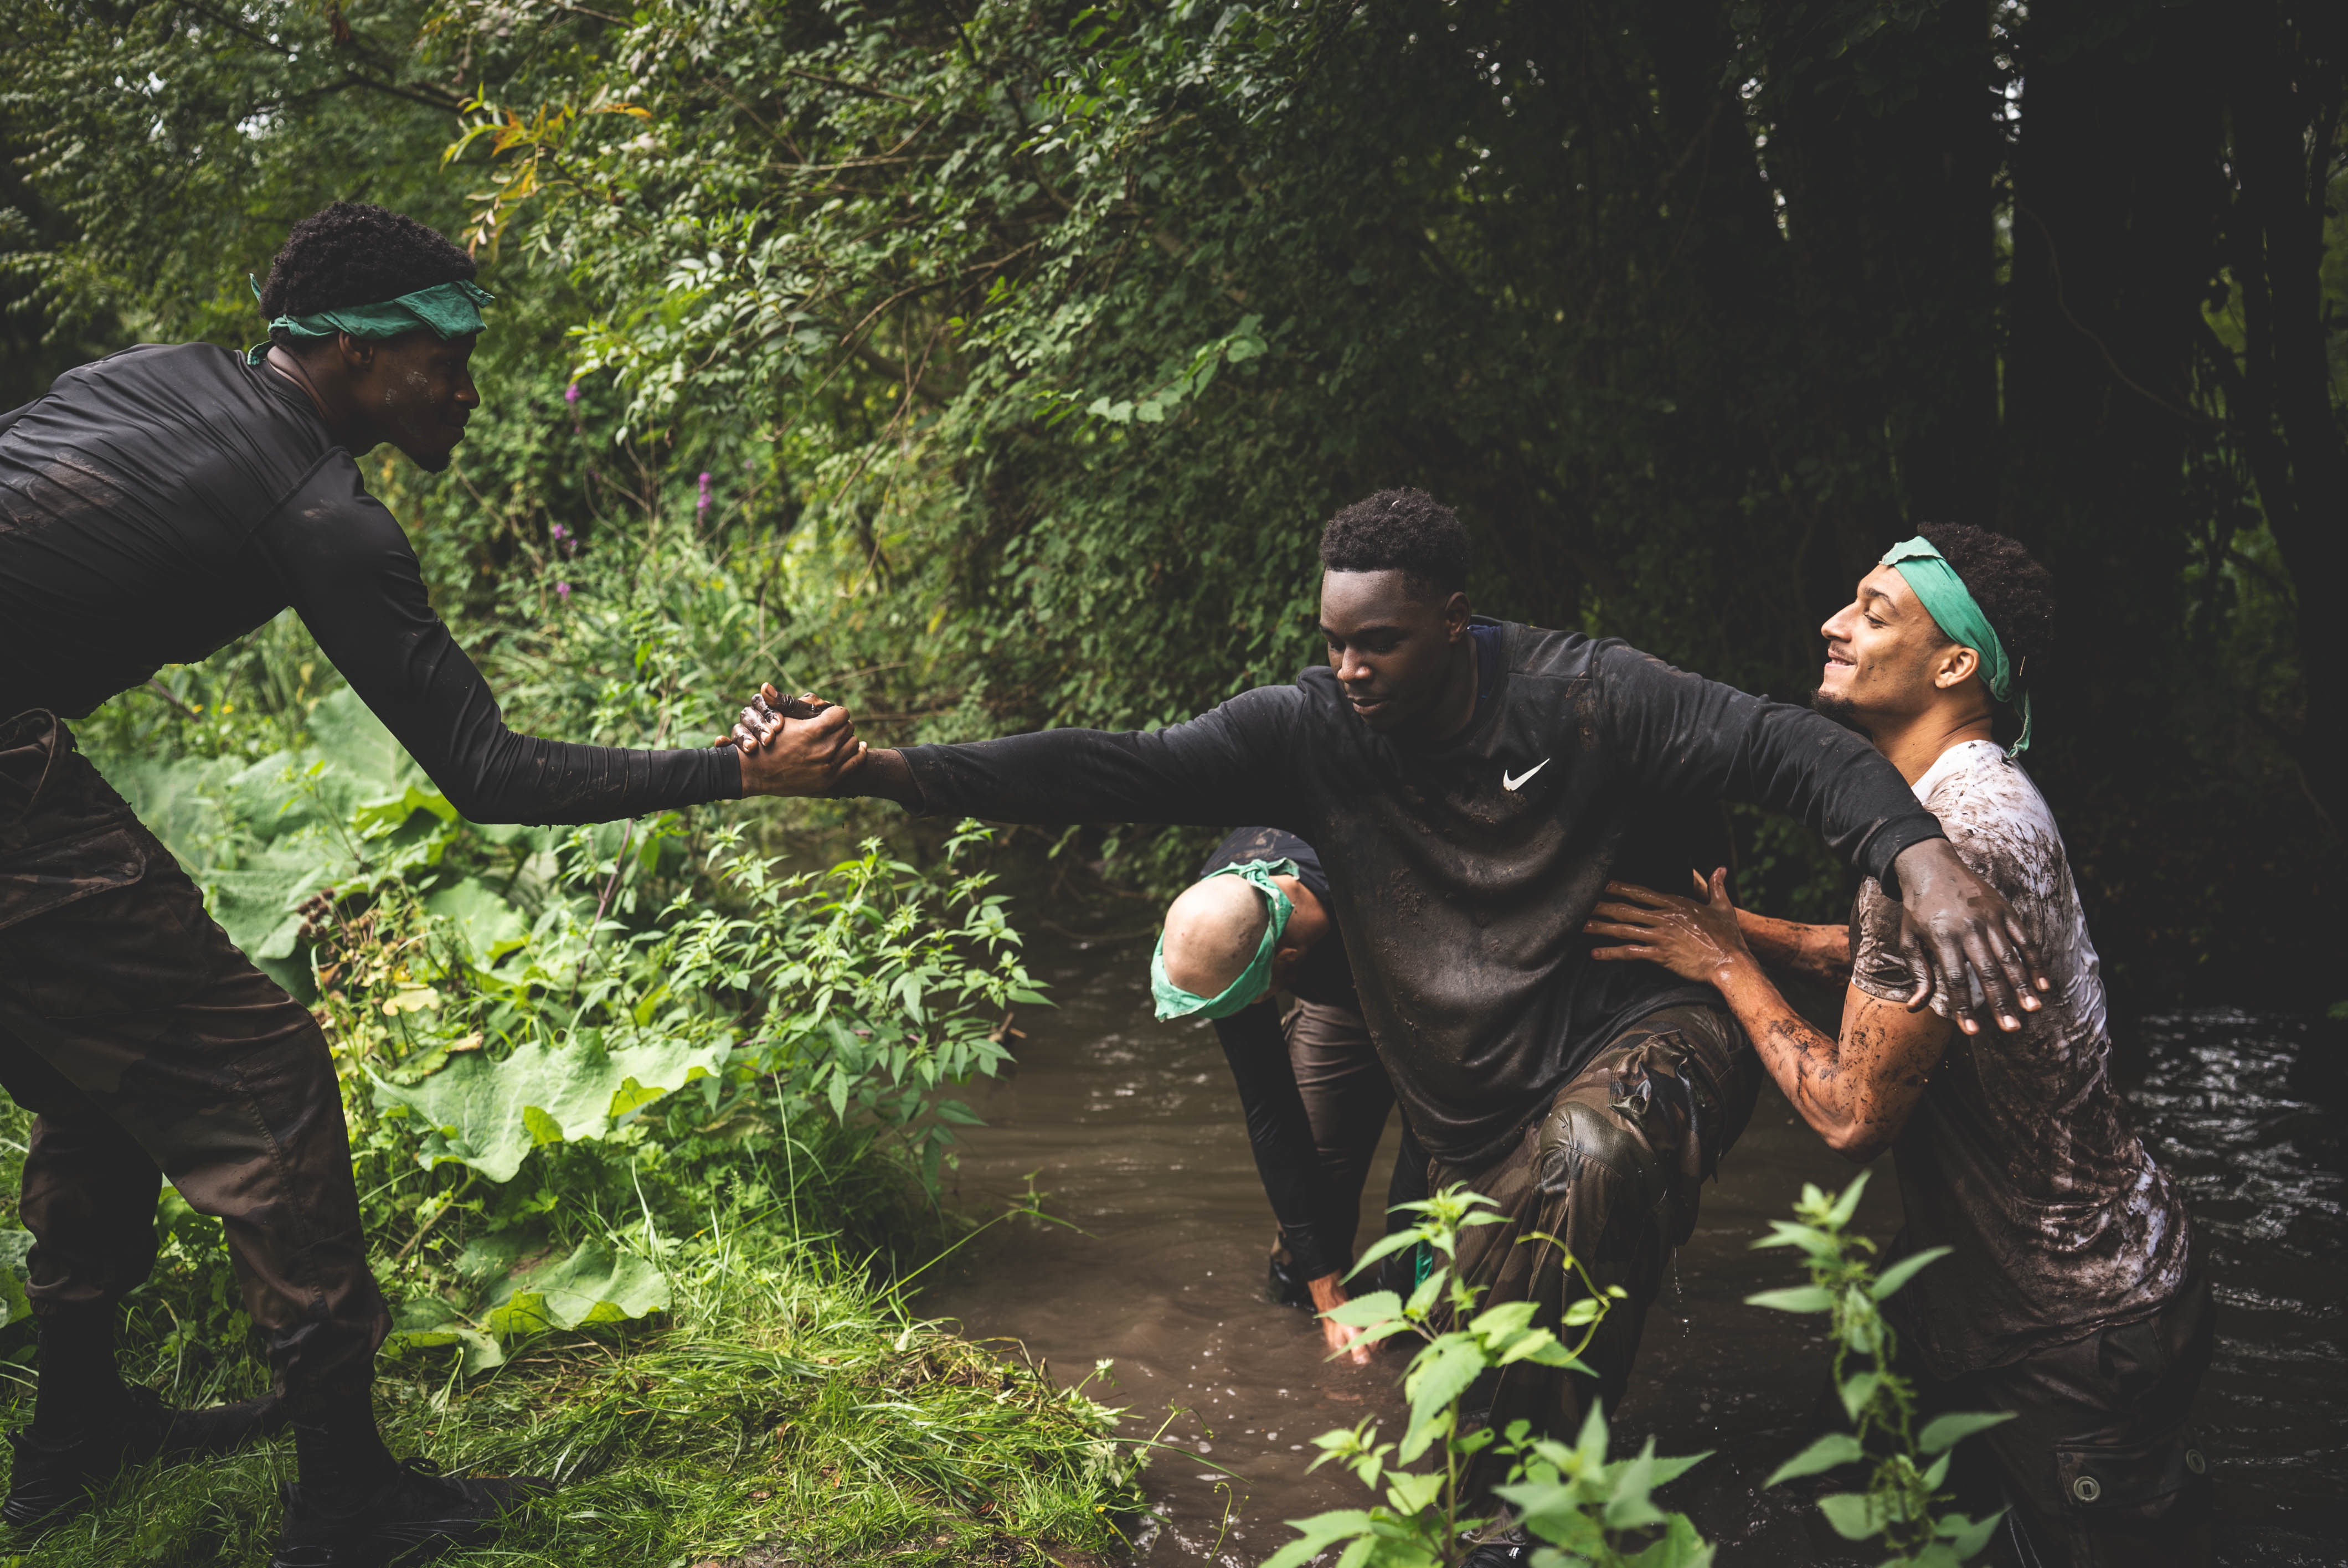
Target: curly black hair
{"points": [[2013, 589], [1402, 530], [351, 253]]}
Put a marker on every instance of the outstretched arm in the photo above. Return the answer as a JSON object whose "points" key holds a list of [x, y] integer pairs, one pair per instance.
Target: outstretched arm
{"points": [[1856, 1089], [1696, 738], [1227, 765], [352, 575]]}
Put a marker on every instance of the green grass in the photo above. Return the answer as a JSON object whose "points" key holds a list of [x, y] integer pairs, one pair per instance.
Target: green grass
{"points": [[787, 1408]]}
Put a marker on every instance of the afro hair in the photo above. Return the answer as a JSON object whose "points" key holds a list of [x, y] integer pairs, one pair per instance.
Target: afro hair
{"points": [[351, 253], [1405, 530], [2013, 590]]}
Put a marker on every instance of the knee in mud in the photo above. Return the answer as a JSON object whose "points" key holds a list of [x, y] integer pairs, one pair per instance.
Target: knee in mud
{"points": [[1581, 1143]]}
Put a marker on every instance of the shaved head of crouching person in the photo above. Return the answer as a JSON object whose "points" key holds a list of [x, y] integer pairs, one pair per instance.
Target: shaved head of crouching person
{"points": [[2070, 1298]]}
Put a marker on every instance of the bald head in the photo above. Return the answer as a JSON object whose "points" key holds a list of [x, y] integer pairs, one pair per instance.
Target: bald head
{"points": [[1213, 931]]}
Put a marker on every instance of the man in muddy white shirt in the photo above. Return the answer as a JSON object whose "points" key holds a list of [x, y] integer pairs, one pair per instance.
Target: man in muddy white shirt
{"points": [[2069, 1298]]}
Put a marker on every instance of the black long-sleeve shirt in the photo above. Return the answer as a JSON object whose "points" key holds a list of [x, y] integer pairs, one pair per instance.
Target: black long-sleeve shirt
{"points": [[160, 502], [1462, 898]]}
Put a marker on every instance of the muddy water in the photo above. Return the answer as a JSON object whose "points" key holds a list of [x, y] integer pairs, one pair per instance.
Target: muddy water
{"points": [[1131, 1127]]}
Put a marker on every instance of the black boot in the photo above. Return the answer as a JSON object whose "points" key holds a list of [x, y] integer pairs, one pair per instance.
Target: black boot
{"points": [[53, 1475], [417, 1515]]}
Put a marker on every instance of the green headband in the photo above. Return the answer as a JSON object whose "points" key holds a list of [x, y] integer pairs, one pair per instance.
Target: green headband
{"points": [[1173, 1001], [447, 310], [1951, 604]]}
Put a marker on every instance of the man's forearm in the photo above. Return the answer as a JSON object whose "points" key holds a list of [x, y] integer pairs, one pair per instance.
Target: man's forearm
{"points": [[884, 775], [1816, 952], [1807, 1063]]}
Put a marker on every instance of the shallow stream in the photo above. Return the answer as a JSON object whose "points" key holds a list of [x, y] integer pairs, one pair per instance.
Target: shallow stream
{"points": [[1132, 1129]]}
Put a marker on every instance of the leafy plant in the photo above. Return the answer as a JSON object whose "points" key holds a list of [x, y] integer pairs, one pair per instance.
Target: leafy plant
{"points": [[1592, 1510], [1901, 1503]]}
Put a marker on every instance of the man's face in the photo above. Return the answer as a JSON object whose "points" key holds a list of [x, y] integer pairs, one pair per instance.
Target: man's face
{"points": [[1884, 651], [1390, 644], [417, 391]]}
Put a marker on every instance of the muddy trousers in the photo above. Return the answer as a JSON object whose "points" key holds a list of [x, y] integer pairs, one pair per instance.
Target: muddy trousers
{"points": [[1611, 1170], [151, 1049], [2098, 1466]]}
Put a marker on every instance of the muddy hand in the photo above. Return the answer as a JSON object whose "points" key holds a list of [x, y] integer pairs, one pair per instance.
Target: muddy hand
{"points": [[801, 756], [1696, 938], [765, 714], [1955, 922]]}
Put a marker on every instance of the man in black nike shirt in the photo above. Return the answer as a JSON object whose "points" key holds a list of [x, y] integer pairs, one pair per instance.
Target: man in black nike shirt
{"points": [[1471, 786], [153, 506]]}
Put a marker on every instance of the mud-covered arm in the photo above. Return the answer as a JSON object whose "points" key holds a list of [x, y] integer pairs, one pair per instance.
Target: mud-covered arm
{"points": [[1855, 1088], [1227, 765], [352, 575], [1814, 952]]}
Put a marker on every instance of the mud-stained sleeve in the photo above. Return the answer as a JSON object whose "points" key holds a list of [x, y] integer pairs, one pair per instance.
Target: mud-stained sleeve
{"points": [[352, 577], [1876, 965]]}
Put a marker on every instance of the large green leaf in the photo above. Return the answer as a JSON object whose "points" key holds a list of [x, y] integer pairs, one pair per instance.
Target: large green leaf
{"points": [[596, 1283], [479, 1110], [353, 739], [491, 926]]}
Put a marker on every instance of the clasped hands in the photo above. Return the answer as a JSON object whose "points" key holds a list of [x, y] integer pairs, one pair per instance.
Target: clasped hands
{"points": [[801, 746]]}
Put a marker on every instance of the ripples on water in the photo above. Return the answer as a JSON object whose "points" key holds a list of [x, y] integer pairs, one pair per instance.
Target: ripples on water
{"points": [[1132, 1126]]}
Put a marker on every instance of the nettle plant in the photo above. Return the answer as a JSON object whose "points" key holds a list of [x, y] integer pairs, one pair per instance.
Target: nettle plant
{"points": [[1591, 1509], [1905, 1467]]}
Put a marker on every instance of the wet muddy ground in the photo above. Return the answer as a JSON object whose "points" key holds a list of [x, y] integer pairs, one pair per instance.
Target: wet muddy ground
{"points": [[1131, 1127]]}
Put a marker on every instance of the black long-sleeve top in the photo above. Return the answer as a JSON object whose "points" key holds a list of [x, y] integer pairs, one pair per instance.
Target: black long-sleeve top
{"points": [[1462, 898], [160, 502]]}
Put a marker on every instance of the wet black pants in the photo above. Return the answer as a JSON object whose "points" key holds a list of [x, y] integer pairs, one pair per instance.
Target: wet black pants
{"points": [[150, 1048], [2099, 1466], [1612, 1170]]}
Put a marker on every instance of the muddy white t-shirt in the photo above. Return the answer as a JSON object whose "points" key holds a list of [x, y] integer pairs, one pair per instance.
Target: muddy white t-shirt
{"points": [[2019, 1156]]}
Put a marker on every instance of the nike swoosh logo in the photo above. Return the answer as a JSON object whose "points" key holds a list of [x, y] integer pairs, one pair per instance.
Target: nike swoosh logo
{"points": [[1513, 785]]}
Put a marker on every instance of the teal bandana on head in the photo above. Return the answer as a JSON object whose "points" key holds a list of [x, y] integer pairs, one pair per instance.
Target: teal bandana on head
{"points": [[447, 310], [1174, 1002], [1950, 603]]}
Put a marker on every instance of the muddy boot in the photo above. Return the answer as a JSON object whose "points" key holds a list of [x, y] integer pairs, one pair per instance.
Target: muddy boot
{"points": [[51, 1476], [417, 1515]]}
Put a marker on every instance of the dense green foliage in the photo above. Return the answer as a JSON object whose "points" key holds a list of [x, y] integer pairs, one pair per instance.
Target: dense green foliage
{"points": [[1590, 1513], [641, 1124], [1007, 353]]}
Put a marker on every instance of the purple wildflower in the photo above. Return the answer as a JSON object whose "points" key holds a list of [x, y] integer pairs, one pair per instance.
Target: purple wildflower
{"points": [[563, 591], [701, 508], [571, 393]]}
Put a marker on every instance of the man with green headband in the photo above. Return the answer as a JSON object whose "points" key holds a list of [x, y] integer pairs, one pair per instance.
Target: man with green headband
{"points": [[1472, 786], [154, 505], [2069, 1298]]}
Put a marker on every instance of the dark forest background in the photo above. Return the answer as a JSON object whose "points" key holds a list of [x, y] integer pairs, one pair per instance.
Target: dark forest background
{"points": [[993, 364]]}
